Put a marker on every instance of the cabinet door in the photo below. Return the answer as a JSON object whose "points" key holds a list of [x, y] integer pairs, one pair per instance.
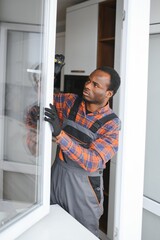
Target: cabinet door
{"points": [[81, 40]]}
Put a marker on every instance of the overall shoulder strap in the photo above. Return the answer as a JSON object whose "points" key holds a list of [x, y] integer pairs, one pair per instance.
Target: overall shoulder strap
{"points": [[99, 123], [74, 109]]}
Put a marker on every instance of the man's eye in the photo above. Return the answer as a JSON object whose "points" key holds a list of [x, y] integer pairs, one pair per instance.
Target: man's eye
{"points": [[88, 81], [95, 84]]}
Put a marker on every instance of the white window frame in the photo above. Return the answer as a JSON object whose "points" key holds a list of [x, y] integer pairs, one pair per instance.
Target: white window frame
{"points": [[21, 224], [132, 112]]}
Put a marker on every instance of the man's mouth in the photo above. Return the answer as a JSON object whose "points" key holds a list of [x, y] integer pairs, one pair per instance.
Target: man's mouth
{"points": [[85, 92]]}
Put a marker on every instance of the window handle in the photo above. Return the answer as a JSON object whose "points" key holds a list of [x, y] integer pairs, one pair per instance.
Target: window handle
{"points": [[34, 71]]}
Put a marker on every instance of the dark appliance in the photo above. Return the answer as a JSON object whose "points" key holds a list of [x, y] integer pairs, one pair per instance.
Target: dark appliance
{"points": [[74, 84]]}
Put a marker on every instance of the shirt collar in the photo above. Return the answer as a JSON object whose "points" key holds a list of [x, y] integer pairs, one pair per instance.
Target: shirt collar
{"points": [[101, 110]]}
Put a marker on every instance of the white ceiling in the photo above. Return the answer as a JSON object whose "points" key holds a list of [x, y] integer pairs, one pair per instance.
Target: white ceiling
{"points": [[61, 8]]}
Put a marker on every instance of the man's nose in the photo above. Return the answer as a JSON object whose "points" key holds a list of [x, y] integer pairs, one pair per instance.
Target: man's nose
{"points": [[88, 84]]}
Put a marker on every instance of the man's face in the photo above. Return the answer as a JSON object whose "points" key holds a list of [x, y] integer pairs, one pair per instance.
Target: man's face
{"points": [[95, 89]]}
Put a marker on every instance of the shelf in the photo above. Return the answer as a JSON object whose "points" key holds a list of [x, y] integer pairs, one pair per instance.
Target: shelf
{"points": [[106, 53], [107, 39], [106, 33]]}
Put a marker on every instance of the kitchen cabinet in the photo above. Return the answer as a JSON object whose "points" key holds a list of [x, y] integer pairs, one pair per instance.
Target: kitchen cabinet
{"points": [[81, 39]]}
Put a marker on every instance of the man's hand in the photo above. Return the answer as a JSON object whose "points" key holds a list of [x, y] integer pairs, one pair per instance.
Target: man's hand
{"points": [[52, 118]]}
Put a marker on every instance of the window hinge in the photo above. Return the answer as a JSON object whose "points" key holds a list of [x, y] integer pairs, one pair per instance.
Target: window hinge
{"points": [[116, 233]]}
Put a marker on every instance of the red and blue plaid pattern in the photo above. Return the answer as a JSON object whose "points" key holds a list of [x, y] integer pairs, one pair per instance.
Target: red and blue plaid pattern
{"points": [[102, 149]]}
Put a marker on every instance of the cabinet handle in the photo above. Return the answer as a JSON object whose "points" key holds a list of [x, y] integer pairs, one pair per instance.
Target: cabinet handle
{"points": [[78, 71]]}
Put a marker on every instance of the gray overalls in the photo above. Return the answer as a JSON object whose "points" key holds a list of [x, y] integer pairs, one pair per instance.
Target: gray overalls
{"points": [[76, 190]]}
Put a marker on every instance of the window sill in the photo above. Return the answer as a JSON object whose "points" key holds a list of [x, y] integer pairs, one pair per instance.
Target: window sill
{"points": [[58, 224]]}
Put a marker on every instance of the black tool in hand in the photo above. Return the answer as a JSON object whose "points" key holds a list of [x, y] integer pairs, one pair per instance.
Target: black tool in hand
{"points": [[59, 63], [52, 117]]}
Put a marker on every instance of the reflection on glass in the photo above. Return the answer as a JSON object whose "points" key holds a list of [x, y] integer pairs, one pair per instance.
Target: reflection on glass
{"points": [[19, 152], [21, 94]]}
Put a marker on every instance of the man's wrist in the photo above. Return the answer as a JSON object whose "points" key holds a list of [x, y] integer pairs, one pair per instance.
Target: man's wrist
{"points": [[59, 135]]}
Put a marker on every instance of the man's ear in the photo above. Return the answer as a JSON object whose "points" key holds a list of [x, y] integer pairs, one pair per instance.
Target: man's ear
{"points": [[109, 93]]}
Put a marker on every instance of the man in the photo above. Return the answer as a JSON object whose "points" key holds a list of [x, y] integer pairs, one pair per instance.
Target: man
{"points": [[86, 131]]}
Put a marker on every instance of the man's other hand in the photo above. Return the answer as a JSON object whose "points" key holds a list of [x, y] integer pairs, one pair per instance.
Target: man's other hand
{"points": [[52, 117]]}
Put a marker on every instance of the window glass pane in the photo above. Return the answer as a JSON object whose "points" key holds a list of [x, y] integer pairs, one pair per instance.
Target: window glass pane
{"points": [[151, 222], [19, 187], [21, 63], [150, 226], [152, 161], [19, 195], [21, 93]]}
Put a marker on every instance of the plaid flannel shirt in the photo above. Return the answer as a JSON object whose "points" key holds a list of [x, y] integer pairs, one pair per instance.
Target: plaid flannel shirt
{"points": [[102, 149]]}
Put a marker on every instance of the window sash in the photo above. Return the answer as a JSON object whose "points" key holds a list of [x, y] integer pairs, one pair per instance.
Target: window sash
{"points": [[40, 210], [133, 106]]}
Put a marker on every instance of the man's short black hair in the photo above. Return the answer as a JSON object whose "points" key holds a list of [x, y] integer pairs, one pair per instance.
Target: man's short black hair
{"points": [[115, 78]]}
